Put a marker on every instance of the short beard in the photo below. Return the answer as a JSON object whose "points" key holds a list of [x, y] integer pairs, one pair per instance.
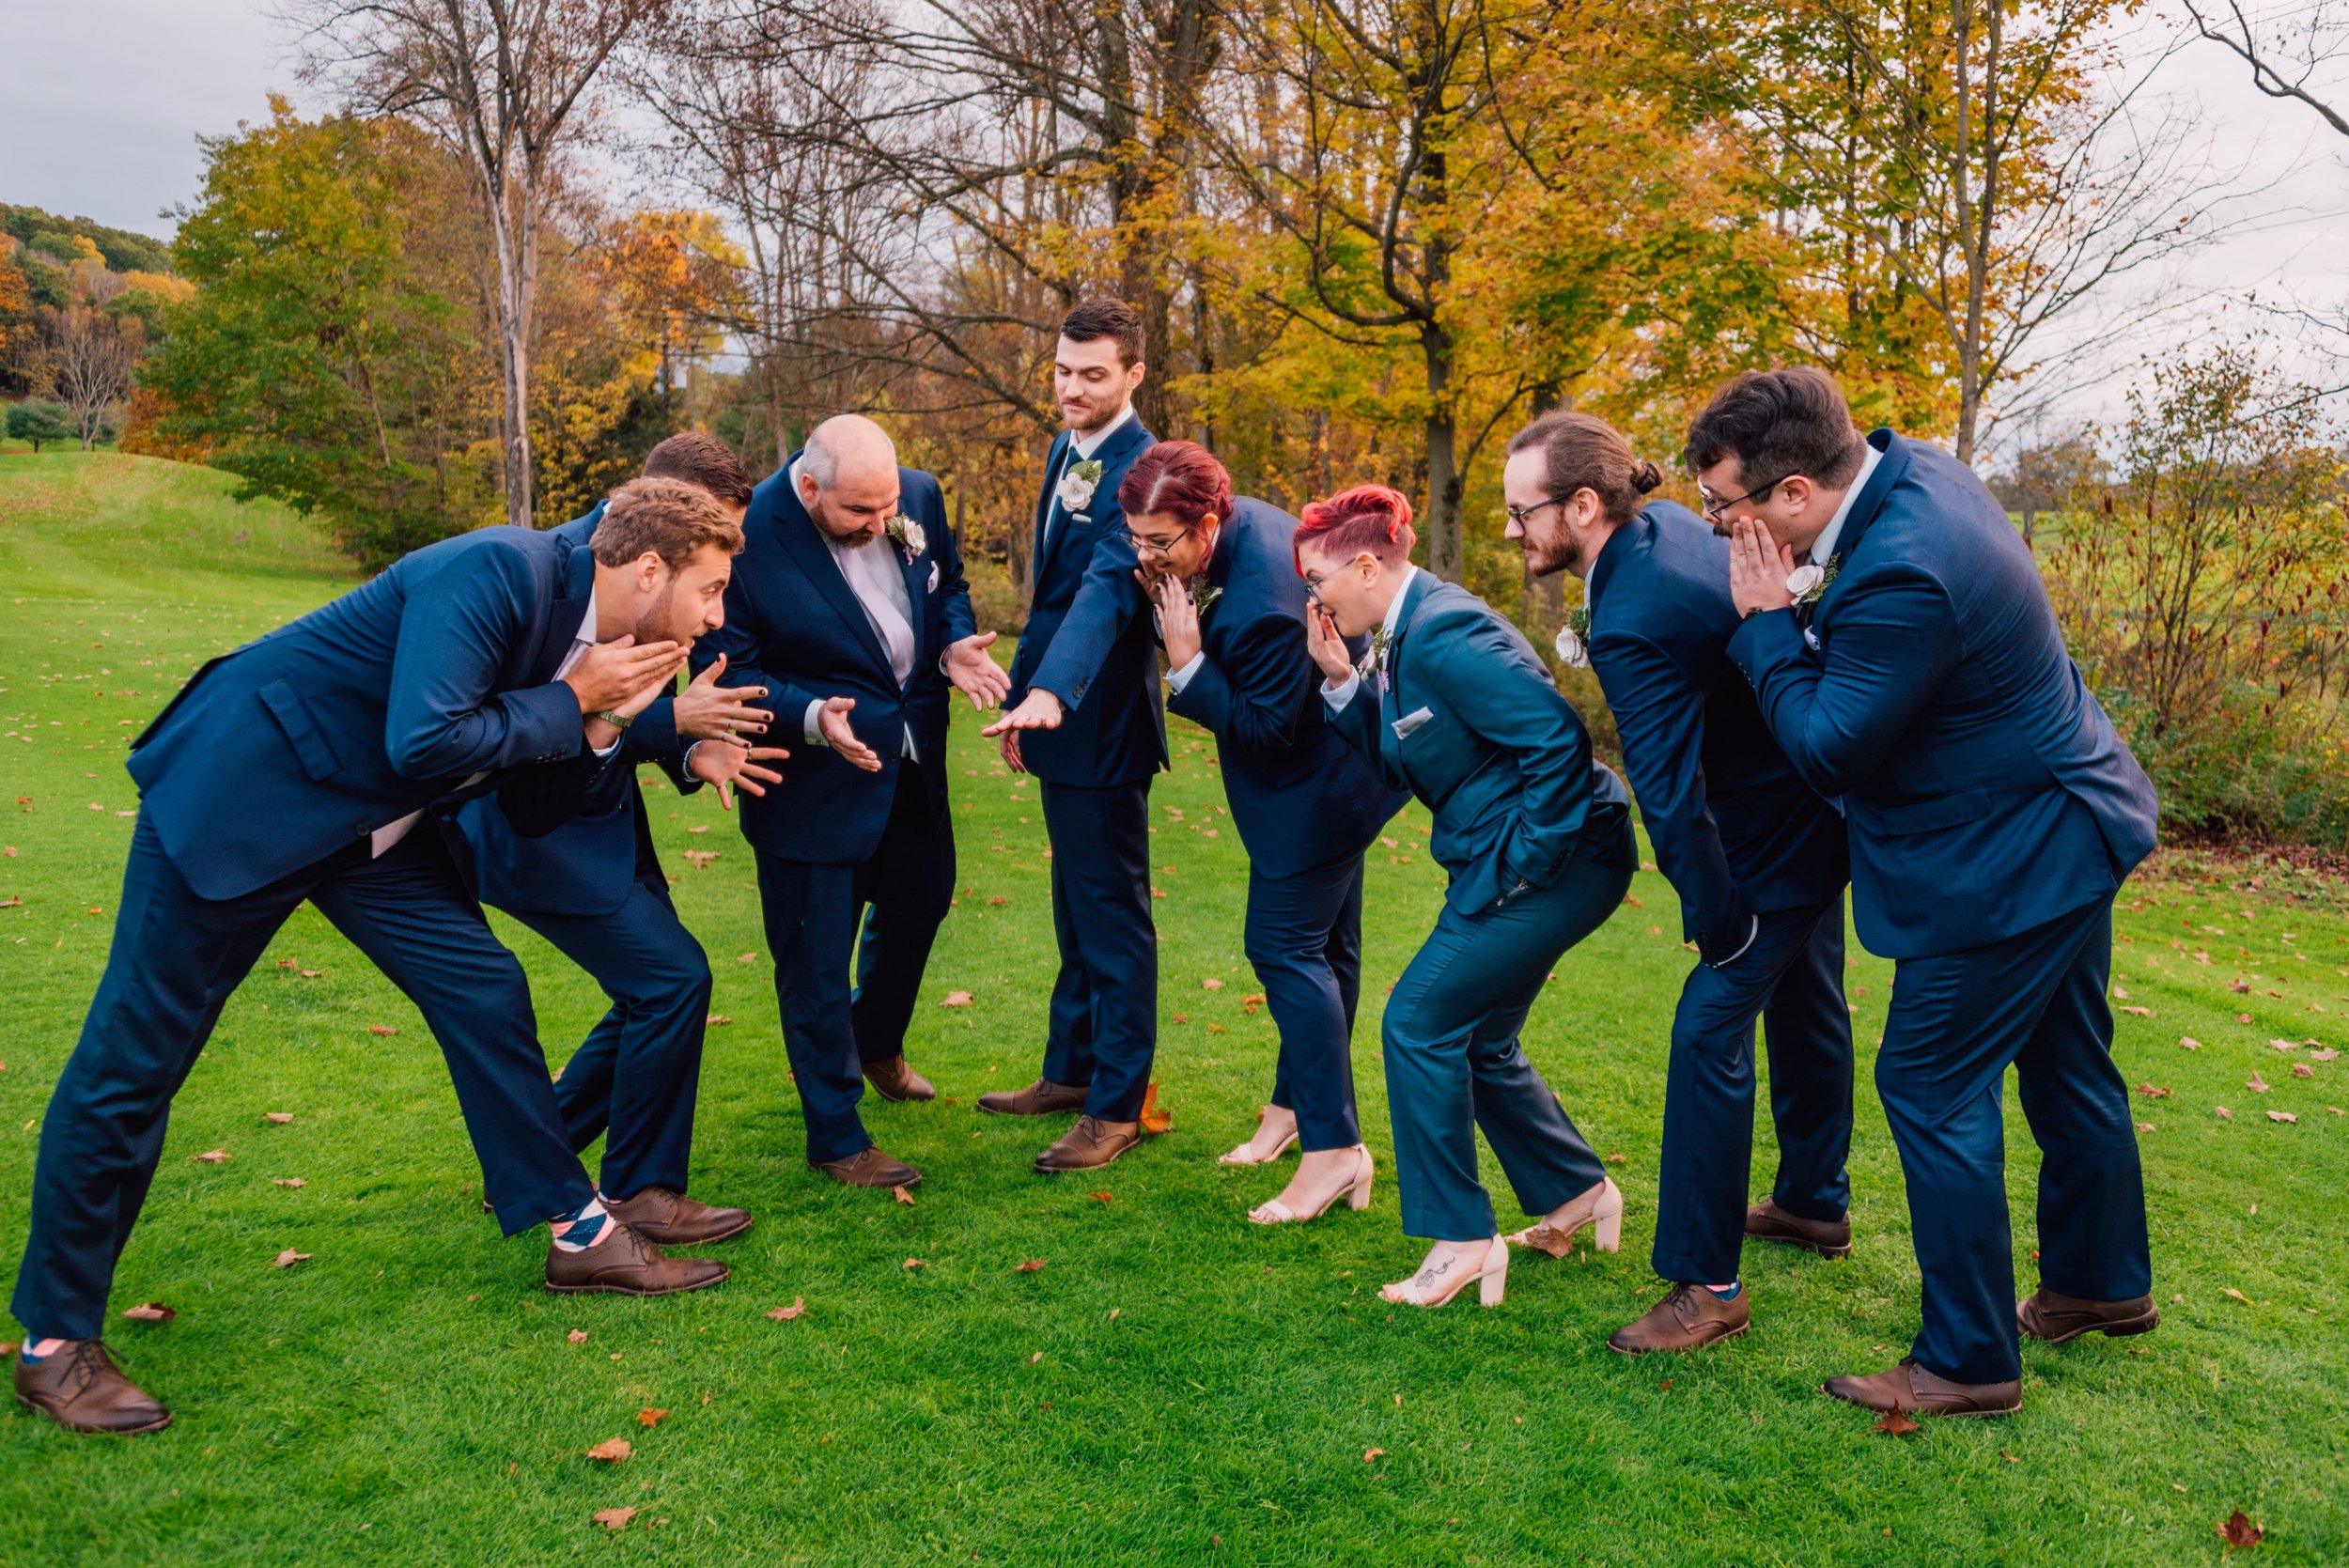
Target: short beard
{"points": [[655, 624], [856, 540], [1550, 558]]}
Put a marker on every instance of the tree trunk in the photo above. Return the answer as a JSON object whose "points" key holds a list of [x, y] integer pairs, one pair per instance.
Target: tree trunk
{"points": [[1445, 556]]}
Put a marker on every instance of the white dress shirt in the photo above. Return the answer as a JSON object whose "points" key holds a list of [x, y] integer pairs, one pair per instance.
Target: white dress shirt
{"points": [[1338, 693], [390, 833], [1823, 548], [873, 576], [1081, 451]]}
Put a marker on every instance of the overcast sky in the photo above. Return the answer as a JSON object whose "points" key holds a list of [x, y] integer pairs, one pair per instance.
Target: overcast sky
{"points": [[101, 101]]}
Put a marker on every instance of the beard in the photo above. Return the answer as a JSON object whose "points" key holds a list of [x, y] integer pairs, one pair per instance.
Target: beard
{"points": [[660, 621], [1547, 557]]}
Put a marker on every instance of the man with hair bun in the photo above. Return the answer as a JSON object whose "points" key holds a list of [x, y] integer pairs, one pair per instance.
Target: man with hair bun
{"points": [[1756, 857]]}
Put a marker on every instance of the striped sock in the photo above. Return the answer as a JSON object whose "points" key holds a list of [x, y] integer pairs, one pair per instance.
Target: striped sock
{"points": [[583, 1228]]}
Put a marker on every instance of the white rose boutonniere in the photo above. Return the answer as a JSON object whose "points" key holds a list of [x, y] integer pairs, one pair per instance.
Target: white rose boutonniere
{"points": [[1809, 579], [907, 534], [1574, 638], [1077, 485]]}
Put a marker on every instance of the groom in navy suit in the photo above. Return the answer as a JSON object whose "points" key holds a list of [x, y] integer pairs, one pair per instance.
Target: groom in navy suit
{"points": [[1757, 857], [1088, 723], [301, 766], [850, 607], [1907, 658]]}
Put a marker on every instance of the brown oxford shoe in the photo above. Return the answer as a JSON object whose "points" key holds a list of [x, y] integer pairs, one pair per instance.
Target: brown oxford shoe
{"points": [[626, 1264], [1829, 1238], [1041, 1098], [79, 1387], [869, 1166], [895, 1079], [2058, 1319], [1909, 1387], [669, 1218], [1089, 1145], [1690, 1318]]}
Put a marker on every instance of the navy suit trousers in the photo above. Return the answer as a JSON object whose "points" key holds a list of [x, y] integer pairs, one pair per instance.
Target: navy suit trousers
{"points": [[176, 960], [811, 913], [639, 1070], [1793, 976], [1104, 1018], [1304, 939], [2035, 1002], [1455, 1064]]}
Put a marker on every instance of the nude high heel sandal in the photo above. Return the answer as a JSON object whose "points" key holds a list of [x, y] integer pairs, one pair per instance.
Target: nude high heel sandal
{"points": [[1491, 1277], [1239, 1155], [1356, 1192], [1601, 1208]]}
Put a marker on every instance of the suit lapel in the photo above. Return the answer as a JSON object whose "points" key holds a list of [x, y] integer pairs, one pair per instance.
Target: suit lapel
{"points": [[574, 591], [797, 530], [1061, 445], [917, 575], [1888, 470], [1391, 701]]}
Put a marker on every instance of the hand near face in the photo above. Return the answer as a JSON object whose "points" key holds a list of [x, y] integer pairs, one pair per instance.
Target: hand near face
{"points": [[832, 723], [619, 674], [705, 710], [1758, 569], [1178, 616], [975, 675], [1327, 647], [728, 763]]}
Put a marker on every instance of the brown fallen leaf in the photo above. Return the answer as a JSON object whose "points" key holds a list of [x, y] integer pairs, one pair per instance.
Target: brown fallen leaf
{"points": [[956, 998], [612, 1450], [2187, 1041], [1211, 984], [2145, 1127], [280, 1117], [651, 1418], [1897, 1422], [615, 1518], [577, 1336], [1371, 1457], [902, 1196], [150, 1311], [382, 1029], [312, 974], [2282, 1116], [287, 1258], [2138, 1011], [2301, 1069], [289, 1181], [2283, 1045], [1618, 1160], [2240, 987], [1034, 1359], [213, 1156], [1101, 1196], [1155, 1117], [1181, 1017], [2224, 1115], [2323, 1053], [716, 1020], [1030, 1266], [2153, 1093], [785, 1314], [2235, 1295], [2254, 1084], [917, 1263], [997, 901], [2239, 1532]]}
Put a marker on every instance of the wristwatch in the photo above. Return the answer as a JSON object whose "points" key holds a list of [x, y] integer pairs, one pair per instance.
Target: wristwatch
{"points": [[617, 720]]}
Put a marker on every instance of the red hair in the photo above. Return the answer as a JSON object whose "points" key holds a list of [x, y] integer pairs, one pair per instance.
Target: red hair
{"points": [[1368, 517], [1179, 479]]}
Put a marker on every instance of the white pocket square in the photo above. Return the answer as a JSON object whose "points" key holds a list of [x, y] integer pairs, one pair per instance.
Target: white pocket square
{"points": [[933, 587], [1810, 637], [1412, 720]]}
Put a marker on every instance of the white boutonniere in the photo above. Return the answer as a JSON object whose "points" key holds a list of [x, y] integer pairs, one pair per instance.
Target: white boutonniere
{"points": [[907, 534], [1574, 638], [1078, 483], [1808, 581]]}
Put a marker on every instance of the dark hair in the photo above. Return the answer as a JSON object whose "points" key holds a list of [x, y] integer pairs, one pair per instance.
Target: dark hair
{"points": [[1368, 517], [670, 516], [1583, 453], [704, 461], [1777, 424], [1096, 319], [1178, 478]]}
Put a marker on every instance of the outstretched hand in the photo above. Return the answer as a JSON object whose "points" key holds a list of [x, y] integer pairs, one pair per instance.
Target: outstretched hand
{"points": [[831, 722], [976, 675], [1758, 569], [622, 677], [1327, 647], [727, 763], [1038, 710], [705, 710]]}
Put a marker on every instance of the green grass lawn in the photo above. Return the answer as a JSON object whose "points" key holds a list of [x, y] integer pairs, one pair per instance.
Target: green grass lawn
{"points": [[1174, 1385]]}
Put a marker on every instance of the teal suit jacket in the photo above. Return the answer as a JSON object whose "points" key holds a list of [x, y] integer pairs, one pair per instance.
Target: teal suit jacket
{"points": [[1492, 747]]}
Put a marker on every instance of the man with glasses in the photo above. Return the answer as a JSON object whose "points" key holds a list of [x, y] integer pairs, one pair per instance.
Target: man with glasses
{"points": [[850, 606], [1902, 648]]}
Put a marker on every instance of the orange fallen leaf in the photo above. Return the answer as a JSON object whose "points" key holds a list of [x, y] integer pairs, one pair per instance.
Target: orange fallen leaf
{"points": [[280, 1117], [312, 974], [2145, 1127], [382, 1029], [956, 998], [150, 1311], [1211, 984], [213, 1156], [2138, 1011], [290, 1181], [902, 1196], [1034, 1359], [612, 1450], [2153, 1093], [1897, 1422], [2235, 1295], [785, 1314], [1371, 1457], [2239, 1532], [2243, 1018], [2187, 1041], [1155, 1117], [917, 1263], [651, 1418], [2224, 1115], [1030, 1266], [998, 900], [2254, 1084], [615, 1518], [1101, 1196], [716, 1020], [1181, 1017], [577, 1336], [287, 1258], [1618, 1160]]}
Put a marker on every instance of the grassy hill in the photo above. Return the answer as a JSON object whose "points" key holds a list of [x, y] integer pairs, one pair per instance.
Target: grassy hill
{"points": [[1174, 1385]]}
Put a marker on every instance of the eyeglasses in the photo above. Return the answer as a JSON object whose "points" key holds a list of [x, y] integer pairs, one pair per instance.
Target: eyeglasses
{"points": [[1141, 542], [1518, 514], [1313, 583], [1713, 509]]}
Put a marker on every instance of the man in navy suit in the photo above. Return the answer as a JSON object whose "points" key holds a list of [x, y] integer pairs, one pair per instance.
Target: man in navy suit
{"points": [[595, 889], [1088, 723], [299, 766], [1904, 654], [850, 607], [1757, 857]]}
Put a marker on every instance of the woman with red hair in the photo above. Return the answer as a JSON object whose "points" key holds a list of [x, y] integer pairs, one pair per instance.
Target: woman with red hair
{"points": [[1453, 705], [1215, 571]]}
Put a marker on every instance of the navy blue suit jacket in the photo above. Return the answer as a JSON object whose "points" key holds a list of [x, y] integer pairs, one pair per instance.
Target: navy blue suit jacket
{"points": [[588, 865], [1736, 830], [795, 627], [374, 706], [1500, 757], [1102, 663], [1300, 795], [1985, 790]]}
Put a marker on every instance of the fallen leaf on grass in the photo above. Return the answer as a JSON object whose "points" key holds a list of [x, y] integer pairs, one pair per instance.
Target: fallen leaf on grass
{"points": [[2239, 1532], [997, 901], [612, 1450], [956, 998], [2240, 987], [2010, 1458], [2301, 1069], [1101, 1196], [1034, 1359], [2283, 1045], [289, 1181], [1896, 1423], [1155, 1117], [917, 1263], [785, 1314], [213, 1156], [287, 1258], [2323, 1053], [1618, 1160], [382, 1029], [1211, 984], [577, 1336], [2235, 1295], [1371, 1457], [651, 1418], [280, 1117], [2224, 1115], [2187, 1041], [2254, 1084], [700, 859], [2282, 1116], [615, 1518], [150, 1311], [1030, 1266], [2153, 1093], [2145, 1127], [2138, 1011], [312, 974], [716, 1020]]}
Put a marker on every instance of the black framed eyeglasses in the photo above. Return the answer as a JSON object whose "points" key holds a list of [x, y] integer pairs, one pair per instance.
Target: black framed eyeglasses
{"points": [[1140, 543], [1713, 509], [1518, 514]]}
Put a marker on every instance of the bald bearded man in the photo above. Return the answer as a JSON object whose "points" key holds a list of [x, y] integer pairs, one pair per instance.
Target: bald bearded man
{"points": [[850, 606]]}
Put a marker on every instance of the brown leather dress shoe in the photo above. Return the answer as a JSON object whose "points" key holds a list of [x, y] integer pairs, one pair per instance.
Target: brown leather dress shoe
{"points": [[869, 1166], [669, 1218], [626, 1264], [79, 1387], [895, 1079], [1829, 1238], [1909, 1387], [1041, 1098], [1089, 1145], [2058, 1319], [1690, 1318]]}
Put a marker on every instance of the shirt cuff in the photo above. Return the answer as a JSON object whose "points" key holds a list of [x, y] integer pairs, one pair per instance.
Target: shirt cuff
{"points": [[1751, 932], [604, 752], [809, 726], [1177, 679], [1338, 694]]}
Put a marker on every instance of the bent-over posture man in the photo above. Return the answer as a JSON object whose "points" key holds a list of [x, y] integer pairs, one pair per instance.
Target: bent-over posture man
{"points": [[301, 766], [1756, 857], [1904, 654]]}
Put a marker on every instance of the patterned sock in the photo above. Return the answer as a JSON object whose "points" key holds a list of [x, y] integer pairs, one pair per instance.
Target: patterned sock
{"points": [[583, 1228], [1736, 1288], [36, 1349]]}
